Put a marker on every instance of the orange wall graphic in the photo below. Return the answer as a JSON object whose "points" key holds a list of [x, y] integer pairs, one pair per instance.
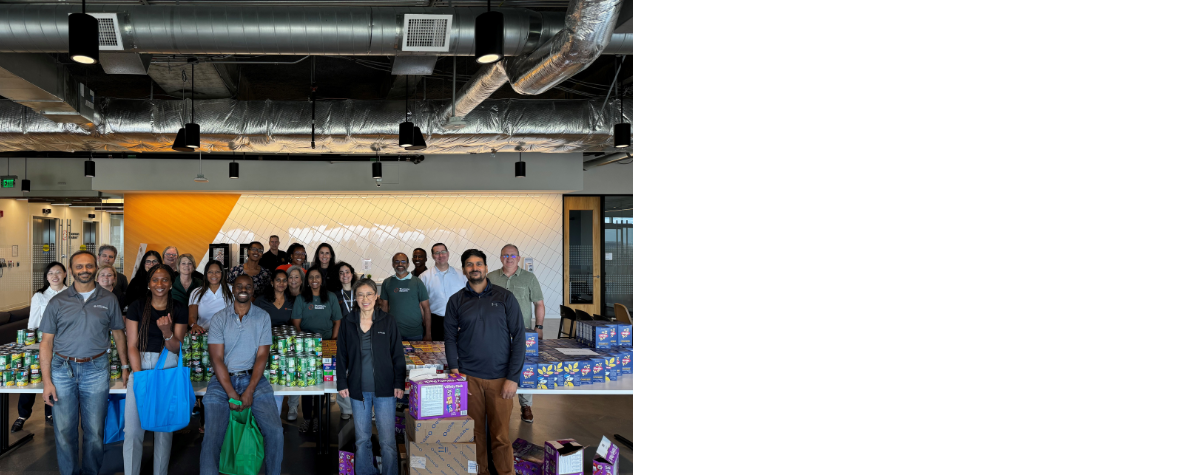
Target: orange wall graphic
{"points": [[188, 221]]}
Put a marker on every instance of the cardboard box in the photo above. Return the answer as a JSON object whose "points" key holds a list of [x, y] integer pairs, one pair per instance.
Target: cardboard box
{"points": [[345, 462], [527, 458], [612, 371], [625, 361], [531, 344], [598, 370], [605, 336], [445, 430], [560, 379], [607, 458], [624, 335], [528, 374], [563, 457], [440, 458], [585, 372], [570, 374], [545, 375], [444, 396]]}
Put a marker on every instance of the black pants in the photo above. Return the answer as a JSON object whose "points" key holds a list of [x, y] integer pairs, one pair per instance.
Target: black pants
{"points": [[438, 322], [25, 406], [309, 405]]}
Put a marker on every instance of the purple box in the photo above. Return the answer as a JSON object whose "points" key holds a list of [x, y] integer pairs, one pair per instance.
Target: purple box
{"points": [[433, 398], [563, 457], [528, 374], [345, 463], [527, 458], [531, 344], [606, 460]]}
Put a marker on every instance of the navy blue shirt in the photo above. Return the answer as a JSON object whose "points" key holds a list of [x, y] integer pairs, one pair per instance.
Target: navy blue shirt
{"points": [[485, 334]]}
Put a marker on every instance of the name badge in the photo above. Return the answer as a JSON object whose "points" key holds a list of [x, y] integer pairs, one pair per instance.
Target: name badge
{"points": [[318, 307]]}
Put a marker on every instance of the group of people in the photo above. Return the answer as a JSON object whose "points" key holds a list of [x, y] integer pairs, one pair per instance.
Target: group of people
{"points": [[481, 316]]}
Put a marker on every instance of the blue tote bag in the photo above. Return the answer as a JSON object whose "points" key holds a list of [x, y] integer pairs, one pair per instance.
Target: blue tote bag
{"points": [[114, 421], [164, 396]]}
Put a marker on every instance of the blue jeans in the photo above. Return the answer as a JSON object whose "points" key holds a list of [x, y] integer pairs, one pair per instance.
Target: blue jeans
{"points": [[82, 396], [385, 422], [216, 408]]}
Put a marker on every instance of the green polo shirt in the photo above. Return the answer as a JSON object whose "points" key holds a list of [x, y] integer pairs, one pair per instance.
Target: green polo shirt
{"points": [[317, 317], [523, 285], [404, 297]]}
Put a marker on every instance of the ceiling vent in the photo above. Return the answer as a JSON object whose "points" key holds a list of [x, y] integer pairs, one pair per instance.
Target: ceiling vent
{"points": [[421, 32], [110, 38]]}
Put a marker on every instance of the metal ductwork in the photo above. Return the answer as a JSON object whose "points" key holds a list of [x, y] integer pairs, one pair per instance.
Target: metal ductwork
{"points": [[606, 159], [589, 27], [268, 29], [368, 127], [36, 81]]}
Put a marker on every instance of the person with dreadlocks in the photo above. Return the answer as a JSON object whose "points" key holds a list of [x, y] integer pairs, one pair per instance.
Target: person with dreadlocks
{"points": [[155, 322]]}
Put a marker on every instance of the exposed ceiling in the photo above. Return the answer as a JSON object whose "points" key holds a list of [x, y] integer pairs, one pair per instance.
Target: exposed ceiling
{"points": [[275, 77]]}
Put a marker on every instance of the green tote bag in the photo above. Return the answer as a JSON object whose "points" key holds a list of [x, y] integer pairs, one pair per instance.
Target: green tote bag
{"points": [[242, 452]]}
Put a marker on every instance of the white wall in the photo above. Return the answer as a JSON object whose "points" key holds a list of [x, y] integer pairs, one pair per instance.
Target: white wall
{"points": [[611, 179], [438, 173], [377, 226], [16, 284], [57, 177]]}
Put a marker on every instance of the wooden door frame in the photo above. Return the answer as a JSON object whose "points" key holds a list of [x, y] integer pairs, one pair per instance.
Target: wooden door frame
{"points": [[597, 245]]}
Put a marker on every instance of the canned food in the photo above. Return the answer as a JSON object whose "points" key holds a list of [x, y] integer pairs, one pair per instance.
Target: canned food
{"points": [[22, 378], [8, 378], [28, 360], [272, 376], [17, 360], [39, 335], [30, 336], [36, 362], [35, 376], [5, 359], [114, 371], [204, 359], [289, 378], [21, 336], [310, 378], [197, 373]]}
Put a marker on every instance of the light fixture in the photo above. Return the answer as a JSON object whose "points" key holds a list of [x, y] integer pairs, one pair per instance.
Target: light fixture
{"points": [[178, 144], [406, 127], [622, 132], [489, 36], [233, 170], [83, 37], [89, 168], [418, 140], [191, 135], [520, 166], [377, 169], [24, 186], [59, 204]]}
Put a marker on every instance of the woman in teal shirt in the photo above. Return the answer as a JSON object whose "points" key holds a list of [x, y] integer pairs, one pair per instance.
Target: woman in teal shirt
{"points": [[316, 310]]}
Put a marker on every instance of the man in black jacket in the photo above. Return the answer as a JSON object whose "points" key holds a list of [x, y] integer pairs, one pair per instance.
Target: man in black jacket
{"points": [[485, 340]]}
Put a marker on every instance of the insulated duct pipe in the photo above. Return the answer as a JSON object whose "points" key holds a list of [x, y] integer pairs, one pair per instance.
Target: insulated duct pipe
{"points": [[605, 160], [589, 28], [128, 125], [229, 29]]}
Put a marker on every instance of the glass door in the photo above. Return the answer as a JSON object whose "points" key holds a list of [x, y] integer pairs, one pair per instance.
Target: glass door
{"points": [[581, 248], [618, 254], [45, 247]]}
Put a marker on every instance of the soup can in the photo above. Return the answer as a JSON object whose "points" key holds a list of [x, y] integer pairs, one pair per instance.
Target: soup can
{"points": [[289, 378], [8, 377], [36, 361], [17, 359], [30, 336], [22, 377], [35, 376], [273, 376], [5, 359], [21, 336]]}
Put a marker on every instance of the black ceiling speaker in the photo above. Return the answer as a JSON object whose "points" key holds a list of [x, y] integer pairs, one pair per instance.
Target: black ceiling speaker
{"points": [[89, 169], [83, 37], [489, 36], [418, 140]]}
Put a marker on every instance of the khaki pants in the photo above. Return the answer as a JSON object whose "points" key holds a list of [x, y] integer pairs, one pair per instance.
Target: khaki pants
{"points": [[488, 409]]}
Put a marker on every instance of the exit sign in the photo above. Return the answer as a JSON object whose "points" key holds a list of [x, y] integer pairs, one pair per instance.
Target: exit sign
{"points": [[8, 181]]}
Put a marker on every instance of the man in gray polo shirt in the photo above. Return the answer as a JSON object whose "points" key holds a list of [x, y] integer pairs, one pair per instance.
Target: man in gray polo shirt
{"points": [[75, 329], [239, 341]]}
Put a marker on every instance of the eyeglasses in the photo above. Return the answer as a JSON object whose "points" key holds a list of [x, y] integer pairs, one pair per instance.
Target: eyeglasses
{"points": [[509, 256], [152, 262]]}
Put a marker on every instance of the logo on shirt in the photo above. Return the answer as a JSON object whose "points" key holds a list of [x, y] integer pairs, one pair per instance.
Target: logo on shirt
{"points": [[495, 304], [99, 306], [400, 289], [316, 307]]}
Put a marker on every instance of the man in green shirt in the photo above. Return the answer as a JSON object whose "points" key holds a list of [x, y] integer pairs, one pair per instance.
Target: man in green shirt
{"points": [[524, 285], [407, 299]]}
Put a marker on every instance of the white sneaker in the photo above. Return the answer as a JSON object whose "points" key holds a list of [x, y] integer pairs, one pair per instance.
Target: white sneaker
{"points": [[345, 417], [291, 414]]}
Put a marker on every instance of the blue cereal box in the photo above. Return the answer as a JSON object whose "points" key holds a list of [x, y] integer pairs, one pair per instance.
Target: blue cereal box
{"points": [[597, 370], [585, 372], [560, 380], [531, 344], [624, 335], [612, 369], [603, 336], [529, 374], [545, 375], [570, 374], [625, 361]]}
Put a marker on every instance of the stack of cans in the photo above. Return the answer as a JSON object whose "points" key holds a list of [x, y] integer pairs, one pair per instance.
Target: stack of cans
{"points": [[18, 366], [195, 355], [30, 336], [114, 360], [295, 358]]}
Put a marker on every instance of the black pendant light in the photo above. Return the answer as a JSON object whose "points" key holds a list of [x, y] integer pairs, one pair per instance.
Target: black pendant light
{"points": [[233, 169], [89, 168], [178, 144], [418, 140], [191, 136], [622, 132], [520, 166], [407, 129], [376, 169], [25, 182], [83, 37], [489, 36]]}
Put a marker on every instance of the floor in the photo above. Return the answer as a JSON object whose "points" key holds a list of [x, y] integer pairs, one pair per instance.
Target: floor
{"points": [[584, 418]]}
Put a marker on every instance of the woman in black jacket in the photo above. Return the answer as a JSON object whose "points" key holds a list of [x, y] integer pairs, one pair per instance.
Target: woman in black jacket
{"points": [[370, 371]]}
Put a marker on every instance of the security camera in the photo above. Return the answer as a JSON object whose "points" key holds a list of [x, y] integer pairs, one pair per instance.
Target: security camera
{"points": [[418, 159]]}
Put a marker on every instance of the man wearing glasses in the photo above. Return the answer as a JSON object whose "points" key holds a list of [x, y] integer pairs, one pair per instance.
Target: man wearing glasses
{"points": [[406, 300], [257, 272], [442, 280], [525, 287]]}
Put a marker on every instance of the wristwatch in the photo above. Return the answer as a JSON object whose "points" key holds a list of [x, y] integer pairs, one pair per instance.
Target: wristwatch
{"points": [[125, 366], [539, 327]]}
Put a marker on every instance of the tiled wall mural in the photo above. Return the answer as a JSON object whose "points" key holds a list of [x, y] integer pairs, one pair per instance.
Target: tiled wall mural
{"points": [[376, 226]]}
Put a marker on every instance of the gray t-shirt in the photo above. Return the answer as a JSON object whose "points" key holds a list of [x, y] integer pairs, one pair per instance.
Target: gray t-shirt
{"points": [[82, 328], [367, 361], [241, 337]]}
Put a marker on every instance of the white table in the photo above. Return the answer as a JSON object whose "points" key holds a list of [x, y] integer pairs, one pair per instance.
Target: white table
{"points": [[623, 386]]}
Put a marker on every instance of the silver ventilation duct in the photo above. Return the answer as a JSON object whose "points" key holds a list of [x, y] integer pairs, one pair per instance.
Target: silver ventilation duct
{"points": [[589, 27], [268, 29], [605, 160], [126, 125]]}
